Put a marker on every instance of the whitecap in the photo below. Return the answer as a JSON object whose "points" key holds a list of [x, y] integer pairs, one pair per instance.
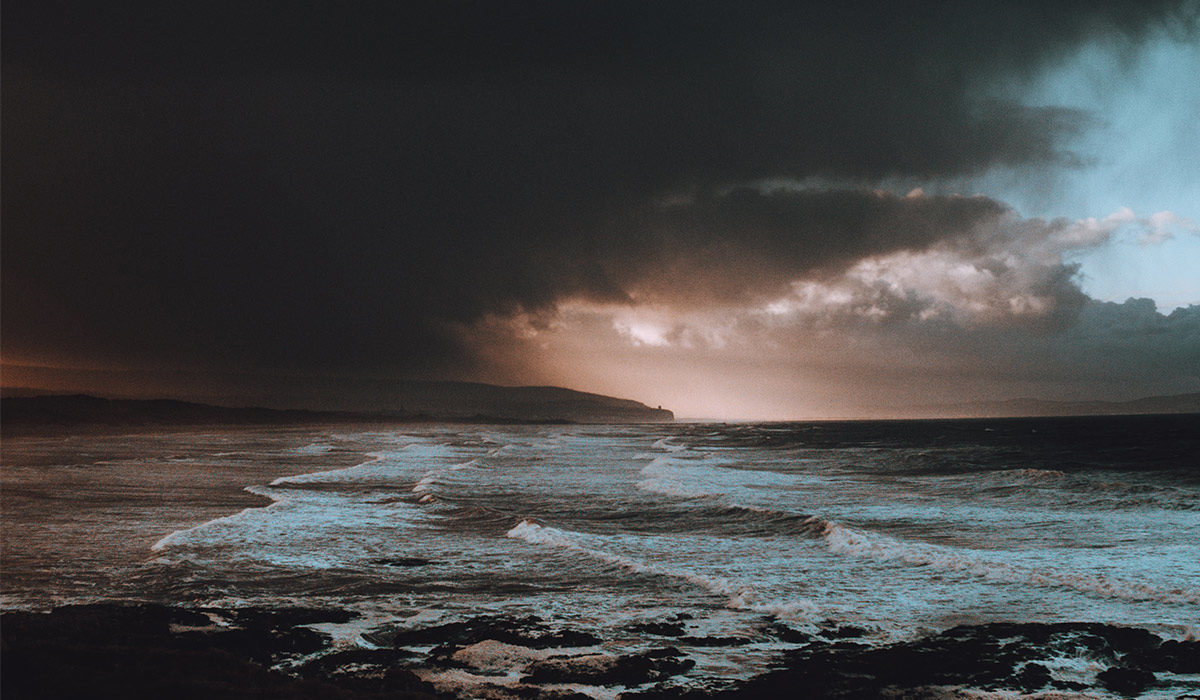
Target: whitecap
{"points": [[741, 596], [845, 540]]}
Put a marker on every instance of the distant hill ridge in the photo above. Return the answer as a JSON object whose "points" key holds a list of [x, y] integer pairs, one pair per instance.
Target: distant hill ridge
{"points": [[413, 401], [1175, 403], [459, 399]]}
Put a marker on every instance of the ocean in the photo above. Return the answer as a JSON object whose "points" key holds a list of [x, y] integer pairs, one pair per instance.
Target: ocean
{"points": [[709, 538]]}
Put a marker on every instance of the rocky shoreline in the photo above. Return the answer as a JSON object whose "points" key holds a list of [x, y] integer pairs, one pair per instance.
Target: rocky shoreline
{"points": [[154, 651]]}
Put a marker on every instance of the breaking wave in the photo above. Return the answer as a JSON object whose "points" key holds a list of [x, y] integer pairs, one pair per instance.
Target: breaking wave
{"points": [[1095, 490], [424, 486], [666, 444], [741, 596], [177, 537], [363, 471], [859, 543]]}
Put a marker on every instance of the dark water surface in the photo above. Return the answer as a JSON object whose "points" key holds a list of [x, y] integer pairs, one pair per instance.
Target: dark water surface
{"points": [[900, 528]]}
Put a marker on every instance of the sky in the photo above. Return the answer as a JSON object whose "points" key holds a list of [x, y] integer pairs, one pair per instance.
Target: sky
{"points": [[748, 210]]}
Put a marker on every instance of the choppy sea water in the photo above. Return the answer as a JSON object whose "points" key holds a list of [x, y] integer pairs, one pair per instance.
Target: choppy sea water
{"points": [[899, 528]]}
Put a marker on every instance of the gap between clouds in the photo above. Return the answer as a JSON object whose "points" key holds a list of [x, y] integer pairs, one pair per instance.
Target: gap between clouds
{"points": [[950, 286]]}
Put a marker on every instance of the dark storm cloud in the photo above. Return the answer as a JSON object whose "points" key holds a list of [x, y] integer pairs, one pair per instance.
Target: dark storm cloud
{"points": [[749, 243], [260, 184], [1110, 349]]}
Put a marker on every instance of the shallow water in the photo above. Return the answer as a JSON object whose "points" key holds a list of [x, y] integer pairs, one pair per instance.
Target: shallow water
{"points": [[900, 528]]}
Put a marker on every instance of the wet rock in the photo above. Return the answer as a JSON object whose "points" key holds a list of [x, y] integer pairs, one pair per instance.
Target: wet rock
{"points": [[565, 638], [351, 662], [786, 634], [1179, 657], [606, 669], [150, 651], [714, 641], [1069, 685], [403, 680], [487, 657], [130, 652], [1127, 640], [533, 692], [1032, 677], [1170, 656], [278, 618], [1126, 681], [193, 618], [261, 637], [527, 632], [991, 657], [111, 624], [664, 692], [844, 632], [662, 629], [401, 561]]}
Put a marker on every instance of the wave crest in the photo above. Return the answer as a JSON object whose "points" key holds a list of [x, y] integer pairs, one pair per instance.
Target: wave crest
{"points": [[741, 596], [850, 541]]}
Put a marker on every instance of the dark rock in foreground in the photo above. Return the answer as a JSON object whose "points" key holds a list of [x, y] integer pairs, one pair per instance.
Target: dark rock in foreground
{"points": [[155, 652], [526, 631], [714, 641], [599, 669], [1126, 681], [990, 657], [151, 651]]}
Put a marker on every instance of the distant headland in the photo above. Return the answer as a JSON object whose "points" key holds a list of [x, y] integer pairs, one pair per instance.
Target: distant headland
{"points": [[415, 402]]}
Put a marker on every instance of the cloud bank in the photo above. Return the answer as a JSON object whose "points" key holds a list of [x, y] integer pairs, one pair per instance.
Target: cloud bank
{"points": [[384, 189], [990, 305]]}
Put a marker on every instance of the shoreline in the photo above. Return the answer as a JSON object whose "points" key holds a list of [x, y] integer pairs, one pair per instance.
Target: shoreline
{"points": [[150, 650]]}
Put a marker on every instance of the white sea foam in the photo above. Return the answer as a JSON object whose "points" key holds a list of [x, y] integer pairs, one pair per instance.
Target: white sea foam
{"points": [[741, 596], [665, 444], [724, 487], [666, 477], [1076, 669], [673, 488], [859, 543], [299, 528], [179, 535], [424, 486], [895, 552], [346, 473], [316, 448], [383, 466], [661, 466]]}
